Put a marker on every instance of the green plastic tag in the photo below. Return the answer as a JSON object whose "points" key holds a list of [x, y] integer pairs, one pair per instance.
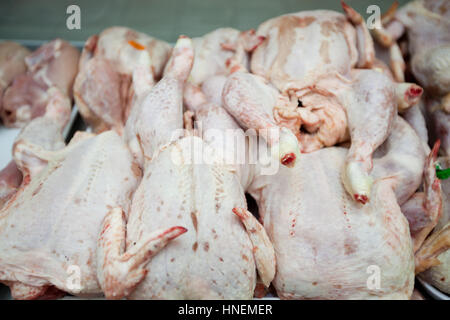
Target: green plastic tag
{"points": [[442, 173]]}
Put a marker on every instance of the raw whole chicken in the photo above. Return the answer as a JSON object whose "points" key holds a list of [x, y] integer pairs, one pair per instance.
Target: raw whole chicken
{"points": [[53, 64], [103, 88], [327, 245], [215, 257], [74, 245], [12, 63], [424, 209], [48, 231], [326, 96]]}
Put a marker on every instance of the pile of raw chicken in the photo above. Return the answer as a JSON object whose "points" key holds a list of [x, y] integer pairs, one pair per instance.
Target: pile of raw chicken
{"points": [[359, 205]]}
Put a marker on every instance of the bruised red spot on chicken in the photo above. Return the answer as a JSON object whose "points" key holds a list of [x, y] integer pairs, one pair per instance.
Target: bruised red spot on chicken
{"points": [[194, 220], [361, 198], [288, 160], [136, 45], [136, 169], [26, 180]]}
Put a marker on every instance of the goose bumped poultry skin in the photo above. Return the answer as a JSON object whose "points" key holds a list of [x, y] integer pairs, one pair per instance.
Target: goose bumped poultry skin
{"points": [[320, 88], [46, 230], [54, 64], [103, 88], [214, 258], [327, 245]]}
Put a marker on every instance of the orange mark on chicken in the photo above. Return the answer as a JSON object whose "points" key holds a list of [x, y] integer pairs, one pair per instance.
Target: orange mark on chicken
{"points": [[136, 45]]}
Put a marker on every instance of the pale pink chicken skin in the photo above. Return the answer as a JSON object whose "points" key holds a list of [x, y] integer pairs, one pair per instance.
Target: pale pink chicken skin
{"points": [[53, 64], [44, 131], [45, 228], [311, 58], [215, 257], [251, 101], [332, 263], [12, 63], [427, 25], [217, 52], [104, 85], [10, 180], [69, 225]]}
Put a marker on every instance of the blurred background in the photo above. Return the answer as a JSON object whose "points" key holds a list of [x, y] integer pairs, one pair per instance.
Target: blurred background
{"points": [[164, 19]]}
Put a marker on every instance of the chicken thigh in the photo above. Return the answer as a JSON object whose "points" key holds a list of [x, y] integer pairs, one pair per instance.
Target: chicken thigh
{"points": [[53, 64]]}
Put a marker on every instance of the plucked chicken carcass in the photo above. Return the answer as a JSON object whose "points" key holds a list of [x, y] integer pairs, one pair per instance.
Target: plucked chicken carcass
{"points": [[320, 89], [47, 231], [49, 234], [215, 257], [12, 63], [103, 88], [53, 64], [75, 243], [327, 245], [46, 132]]}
